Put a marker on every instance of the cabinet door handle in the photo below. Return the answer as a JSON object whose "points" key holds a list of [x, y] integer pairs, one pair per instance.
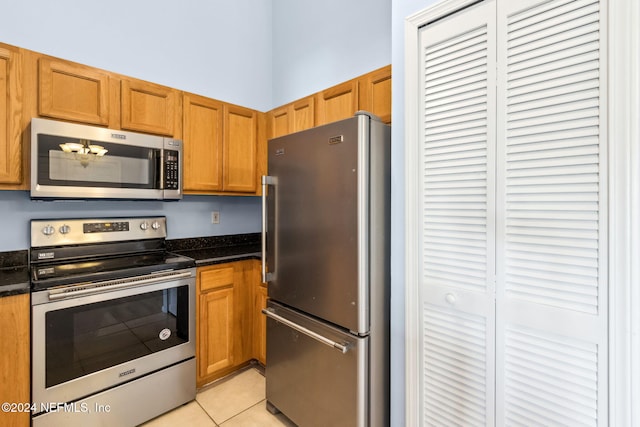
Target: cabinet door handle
{"points": [[266, 182]]}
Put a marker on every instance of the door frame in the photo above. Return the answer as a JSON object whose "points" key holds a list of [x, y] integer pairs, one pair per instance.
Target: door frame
{"points": [[623, 81]]}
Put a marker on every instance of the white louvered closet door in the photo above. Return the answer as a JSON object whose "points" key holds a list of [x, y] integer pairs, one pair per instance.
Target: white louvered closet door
{"points": [[457, 294], [551, 229]]}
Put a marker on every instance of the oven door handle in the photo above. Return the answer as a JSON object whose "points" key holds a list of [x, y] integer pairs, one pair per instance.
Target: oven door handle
{"points": [[113, 285]]}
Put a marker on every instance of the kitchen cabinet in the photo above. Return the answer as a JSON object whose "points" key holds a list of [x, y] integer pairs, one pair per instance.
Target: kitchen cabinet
{"points": [[370, 92], [11, 146], [337, 103], [224, 319], [78, 93], [150, 108], [374, 91], [74, 92], [221, 147], [15, 366], [293, 117], [203, 141], [239, 167], [259, 319]]}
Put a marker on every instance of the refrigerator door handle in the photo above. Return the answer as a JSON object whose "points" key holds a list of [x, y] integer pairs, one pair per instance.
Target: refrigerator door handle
{"points": [[266, 181], [324, 340]]}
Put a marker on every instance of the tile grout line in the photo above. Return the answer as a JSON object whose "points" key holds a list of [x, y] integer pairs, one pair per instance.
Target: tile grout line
{"points": [[205, 411], [243, 411]]}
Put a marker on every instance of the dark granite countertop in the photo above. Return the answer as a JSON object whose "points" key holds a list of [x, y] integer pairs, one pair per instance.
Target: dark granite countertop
{"points": [[14, 266], [218, 249], [14, 273]]}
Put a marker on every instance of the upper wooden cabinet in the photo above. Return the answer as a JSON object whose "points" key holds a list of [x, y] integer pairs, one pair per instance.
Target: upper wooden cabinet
{"points": [[239, 168], [78, 93], [293, 117], [220, 147], [370, 92], [375, 93], [202, 138], [11, 148], [151, 108], [337, 103], [73, 92]]}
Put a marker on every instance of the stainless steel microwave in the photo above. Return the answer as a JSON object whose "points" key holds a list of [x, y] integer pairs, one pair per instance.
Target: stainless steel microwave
{"points": [[72, 161]]}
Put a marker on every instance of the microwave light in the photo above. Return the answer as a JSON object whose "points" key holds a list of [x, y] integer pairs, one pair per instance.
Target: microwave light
{"points": [[84, 151]]}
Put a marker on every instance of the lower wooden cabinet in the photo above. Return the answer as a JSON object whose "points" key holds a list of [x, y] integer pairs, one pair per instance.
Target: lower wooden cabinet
{"points": [[259, 319], [15, 379], [224, 322]]}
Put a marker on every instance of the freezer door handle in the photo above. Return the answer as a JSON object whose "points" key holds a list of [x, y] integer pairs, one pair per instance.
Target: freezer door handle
{"points": [[266, 181], [269, 312]]}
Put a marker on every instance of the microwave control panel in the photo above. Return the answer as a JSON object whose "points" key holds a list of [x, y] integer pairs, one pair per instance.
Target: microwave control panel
{"points": [[171, 170]]}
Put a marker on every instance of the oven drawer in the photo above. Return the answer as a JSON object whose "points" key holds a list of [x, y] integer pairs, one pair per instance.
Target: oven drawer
{"points": [[313, 382]]}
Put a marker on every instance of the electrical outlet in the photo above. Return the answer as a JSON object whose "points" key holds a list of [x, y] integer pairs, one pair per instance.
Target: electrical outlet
{"points": [[215, 217]]}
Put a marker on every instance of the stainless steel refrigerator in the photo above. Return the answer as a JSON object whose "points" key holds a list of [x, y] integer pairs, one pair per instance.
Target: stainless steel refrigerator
{"points": [[326, 220]]}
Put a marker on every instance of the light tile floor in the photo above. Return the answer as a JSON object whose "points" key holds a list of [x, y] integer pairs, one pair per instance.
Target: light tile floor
{"points": [[234, 401]]}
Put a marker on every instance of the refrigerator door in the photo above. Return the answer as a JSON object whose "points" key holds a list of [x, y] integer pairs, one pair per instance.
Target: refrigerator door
{"points": [[318, 222], [311, 381]]}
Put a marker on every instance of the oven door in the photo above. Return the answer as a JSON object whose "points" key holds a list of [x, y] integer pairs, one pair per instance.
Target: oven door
{"points": [[86, 344]]}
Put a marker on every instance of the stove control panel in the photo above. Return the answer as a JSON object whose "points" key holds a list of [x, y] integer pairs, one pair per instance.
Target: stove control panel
{"points": [[60, 232]]}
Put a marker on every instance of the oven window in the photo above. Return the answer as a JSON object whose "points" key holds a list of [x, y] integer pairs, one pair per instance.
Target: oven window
{"points": [[88, 338], [123, 165]]}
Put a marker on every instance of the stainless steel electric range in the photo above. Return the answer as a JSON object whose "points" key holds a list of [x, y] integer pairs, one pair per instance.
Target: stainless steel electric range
{"points": [[113, 322]]}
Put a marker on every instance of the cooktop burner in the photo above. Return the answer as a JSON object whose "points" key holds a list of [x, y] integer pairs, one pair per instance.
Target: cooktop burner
{"points": [[95, 270], [66, 252]]}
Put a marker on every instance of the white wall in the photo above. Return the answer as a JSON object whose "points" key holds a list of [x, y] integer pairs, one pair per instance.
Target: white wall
{"points": [[216, 48], [318, 44]]}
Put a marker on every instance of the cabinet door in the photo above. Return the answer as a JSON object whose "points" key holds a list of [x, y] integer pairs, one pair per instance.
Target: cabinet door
{"points": [[293, 117], [73, 92], [215, 335], [279, 122], [260, 324], [202, 130], [337, 103], [15, 366], [148, 107], [552, 280], [303, 114], [240, 139], [10, 117], [457, 286], [375, 93]]}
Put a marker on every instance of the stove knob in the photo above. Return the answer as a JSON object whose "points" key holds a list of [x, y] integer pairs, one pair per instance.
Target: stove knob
{"points": [[144, 225], [155, 225], [48, 230], [64, 229]]}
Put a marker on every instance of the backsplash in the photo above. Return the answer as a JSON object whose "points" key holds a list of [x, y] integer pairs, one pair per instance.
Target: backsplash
{"points": [[189, 217]]}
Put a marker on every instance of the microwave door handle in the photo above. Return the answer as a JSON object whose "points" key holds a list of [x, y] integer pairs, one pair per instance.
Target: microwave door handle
{"points": [[160, 168], [266, 182]]}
